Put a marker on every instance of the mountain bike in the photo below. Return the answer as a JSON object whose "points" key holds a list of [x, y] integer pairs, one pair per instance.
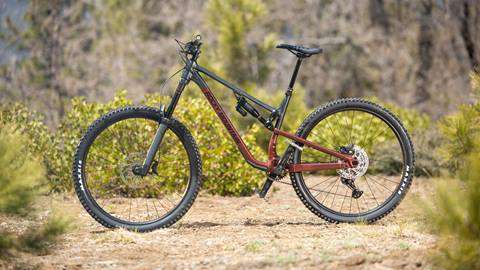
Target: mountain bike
{"points": [[350, 160]]}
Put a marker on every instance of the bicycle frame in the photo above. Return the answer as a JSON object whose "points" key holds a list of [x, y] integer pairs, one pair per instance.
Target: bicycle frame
{"points": [[275, 164]]}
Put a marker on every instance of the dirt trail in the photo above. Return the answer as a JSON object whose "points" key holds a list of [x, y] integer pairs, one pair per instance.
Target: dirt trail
{"points": [[232, 233]]}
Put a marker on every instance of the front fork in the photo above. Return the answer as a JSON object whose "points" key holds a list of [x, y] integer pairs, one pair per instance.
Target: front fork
{"points": [[162, 127]]}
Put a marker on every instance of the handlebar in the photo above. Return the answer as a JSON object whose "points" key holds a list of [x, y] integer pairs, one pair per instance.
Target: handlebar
{"points": [[193, 46]]}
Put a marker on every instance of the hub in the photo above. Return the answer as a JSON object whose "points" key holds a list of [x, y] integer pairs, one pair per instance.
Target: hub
{"points": [[137, 170], [361, 160]]}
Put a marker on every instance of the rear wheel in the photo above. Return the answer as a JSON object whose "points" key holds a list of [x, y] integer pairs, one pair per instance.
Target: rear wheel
{"points": [[379, 142], [107, 160]]}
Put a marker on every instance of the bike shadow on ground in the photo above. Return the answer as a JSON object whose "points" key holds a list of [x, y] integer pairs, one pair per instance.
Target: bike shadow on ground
{"points": [[247, 222]]}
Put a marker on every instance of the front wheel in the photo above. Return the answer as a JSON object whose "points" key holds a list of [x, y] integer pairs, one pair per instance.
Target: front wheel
{"points": [[106, 178], [377, 139]]}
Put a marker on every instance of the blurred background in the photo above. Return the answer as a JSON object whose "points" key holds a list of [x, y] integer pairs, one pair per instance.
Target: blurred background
{"points": [[64, 63], [415, 54]]}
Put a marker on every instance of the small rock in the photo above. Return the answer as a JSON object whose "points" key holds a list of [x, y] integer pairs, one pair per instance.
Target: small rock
{"points": [[355, 260]]}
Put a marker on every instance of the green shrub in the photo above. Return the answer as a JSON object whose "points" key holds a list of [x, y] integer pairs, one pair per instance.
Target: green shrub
{"points": [[475, 79], [455, 209], [460, 130], [38, 138], [37, 238], [21, 179], [455, 215], [19, 175], [68, 135], [224, 170], [425, 143], [372, 135]]}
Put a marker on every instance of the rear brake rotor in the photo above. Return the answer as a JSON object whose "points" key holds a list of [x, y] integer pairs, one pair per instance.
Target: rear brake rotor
{"points": [[361, 156]]}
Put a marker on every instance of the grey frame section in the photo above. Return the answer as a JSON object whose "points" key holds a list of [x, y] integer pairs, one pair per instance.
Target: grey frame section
{"points": [[235, 89]]}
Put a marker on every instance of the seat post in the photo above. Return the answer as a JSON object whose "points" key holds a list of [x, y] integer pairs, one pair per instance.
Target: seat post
{"points": [[294, 75], [288, 94]]}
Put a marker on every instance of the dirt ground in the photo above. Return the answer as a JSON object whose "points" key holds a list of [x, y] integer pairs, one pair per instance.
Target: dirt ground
{"points": [[240, 233]]}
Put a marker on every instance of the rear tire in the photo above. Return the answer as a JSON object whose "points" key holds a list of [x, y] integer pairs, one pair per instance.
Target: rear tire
{"points": [[322, 209]]}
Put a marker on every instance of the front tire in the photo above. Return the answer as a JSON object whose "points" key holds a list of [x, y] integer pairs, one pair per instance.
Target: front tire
{"points": [[103, 175], [389, 163]]}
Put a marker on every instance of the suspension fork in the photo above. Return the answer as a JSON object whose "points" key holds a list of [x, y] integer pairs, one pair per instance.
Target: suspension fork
{"points": [[162, 127]]}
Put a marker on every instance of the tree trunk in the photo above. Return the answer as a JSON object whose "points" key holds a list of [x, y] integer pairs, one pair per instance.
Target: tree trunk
{"points": [[425, 51]]}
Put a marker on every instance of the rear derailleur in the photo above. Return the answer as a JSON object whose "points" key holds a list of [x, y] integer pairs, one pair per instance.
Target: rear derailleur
{"points": [[350, 183]]}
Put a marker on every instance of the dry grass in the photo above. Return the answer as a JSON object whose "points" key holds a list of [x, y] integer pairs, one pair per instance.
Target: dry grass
{"points": [[232, 233]]}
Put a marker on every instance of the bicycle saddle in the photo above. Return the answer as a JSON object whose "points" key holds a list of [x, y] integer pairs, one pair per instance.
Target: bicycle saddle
{"points": [[300, 51]]}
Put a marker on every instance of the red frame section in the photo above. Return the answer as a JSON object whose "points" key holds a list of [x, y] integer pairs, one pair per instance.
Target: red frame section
{"points": [[269, 165]]}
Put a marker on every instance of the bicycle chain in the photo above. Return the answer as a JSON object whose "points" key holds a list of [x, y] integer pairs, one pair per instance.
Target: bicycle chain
{"points": [[279, 180]]}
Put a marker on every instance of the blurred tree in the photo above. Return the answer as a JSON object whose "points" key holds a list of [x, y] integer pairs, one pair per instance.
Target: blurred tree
{"points": [[425, 47], [232, 20], [454, 214], [38, 76], [411, 53], [21, 180]]}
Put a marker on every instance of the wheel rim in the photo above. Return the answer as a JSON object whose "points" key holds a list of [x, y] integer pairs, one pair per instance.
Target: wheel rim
{"points": [[120, 194], [387, 158]]}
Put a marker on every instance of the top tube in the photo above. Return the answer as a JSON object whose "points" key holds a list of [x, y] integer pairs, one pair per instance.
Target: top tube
{"points": [[235, 89]]}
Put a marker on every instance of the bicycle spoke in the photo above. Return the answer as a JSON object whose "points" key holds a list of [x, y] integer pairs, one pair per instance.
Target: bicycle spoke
{"points": [[148, 212], [351, 126], [333, 201], [155, 207], [371, 190], [368, 129], [109, 168], [350, 210], [372, 135], [381, 132], [371, 178], [329, 192], [322, 181], [333, 133], [395, 182], [320, 191], [345, 196], [365, 202]]}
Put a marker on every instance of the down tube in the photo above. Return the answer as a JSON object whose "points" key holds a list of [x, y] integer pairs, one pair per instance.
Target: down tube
{"points": [[228, 124]]}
